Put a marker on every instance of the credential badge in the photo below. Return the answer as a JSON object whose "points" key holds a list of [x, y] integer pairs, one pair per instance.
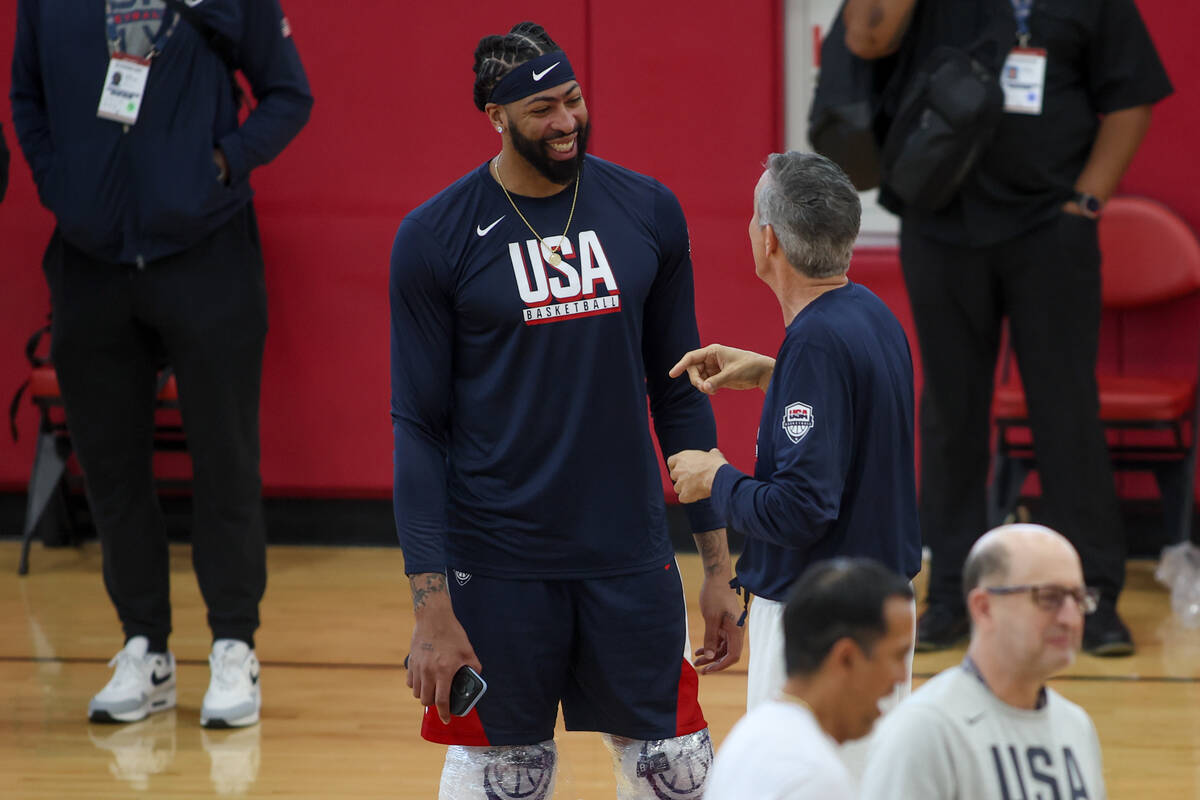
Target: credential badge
{"points": [[797, 421]]}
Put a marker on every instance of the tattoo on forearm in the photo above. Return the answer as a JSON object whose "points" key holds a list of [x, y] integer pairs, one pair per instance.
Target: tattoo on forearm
{"points": [[425, 585], [712, 553]]}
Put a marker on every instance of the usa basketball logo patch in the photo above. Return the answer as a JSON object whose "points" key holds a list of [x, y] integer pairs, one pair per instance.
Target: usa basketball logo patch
{"points": [[797, 421]]}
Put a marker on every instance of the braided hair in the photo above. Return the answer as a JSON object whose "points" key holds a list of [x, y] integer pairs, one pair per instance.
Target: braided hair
{"points": [[496, 56]]}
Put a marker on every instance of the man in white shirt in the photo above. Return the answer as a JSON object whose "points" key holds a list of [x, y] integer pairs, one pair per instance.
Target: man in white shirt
{"points": [[991, 729], [847, 627]]}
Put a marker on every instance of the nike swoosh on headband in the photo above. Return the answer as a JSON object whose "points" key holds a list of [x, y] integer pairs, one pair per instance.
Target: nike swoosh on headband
{"points": [[537, 76]]}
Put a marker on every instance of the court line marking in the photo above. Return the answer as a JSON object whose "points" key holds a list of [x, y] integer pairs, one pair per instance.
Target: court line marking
{"points": [[203, 662], [1103, 678], [369, 665]]}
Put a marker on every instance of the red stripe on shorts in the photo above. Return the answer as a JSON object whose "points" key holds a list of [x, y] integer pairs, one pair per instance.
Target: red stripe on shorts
{"points": [[688, 716], [466, 730]]}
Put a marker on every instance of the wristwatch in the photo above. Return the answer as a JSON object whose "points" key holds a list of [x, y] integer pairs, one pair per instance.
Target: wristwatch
{"points": [[1090, 204]]}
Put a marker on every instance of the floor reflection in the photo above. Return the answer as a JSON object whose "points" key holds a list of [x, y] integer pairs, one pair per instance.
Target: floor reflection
{"points": [[138, 749], [235, 756]]}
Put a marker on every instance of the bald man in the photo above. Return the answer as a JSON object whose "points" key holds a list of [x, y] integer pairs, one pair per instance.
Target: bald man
{"points": [[990, 729]]}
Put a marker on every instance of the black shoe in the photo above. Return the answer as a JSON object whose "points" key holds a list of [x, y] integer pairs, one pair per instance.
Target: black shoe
{"points": [[1104, 634], [941, 627]]}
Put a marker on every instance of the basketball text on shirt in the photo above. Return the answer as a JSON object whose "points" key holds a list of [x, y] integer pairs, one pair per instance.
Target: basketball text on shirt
{"points": [[569, 289]]}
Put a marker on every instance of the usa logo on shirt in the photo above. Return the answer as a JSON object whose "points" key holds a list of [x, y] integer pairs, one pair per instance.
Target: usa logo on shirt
{"points": [[797, 421], [569, 289]]}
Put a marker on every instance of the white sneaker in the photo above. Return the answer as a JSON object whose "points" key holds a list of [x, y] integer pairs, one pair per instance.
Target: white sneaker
{"points": [[233, 698], [142, 684]]}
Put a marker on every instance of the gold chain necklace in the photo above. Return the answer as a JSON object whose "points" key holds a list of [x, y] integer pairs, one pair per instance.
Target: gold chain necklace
{"points": [[555, 259]]}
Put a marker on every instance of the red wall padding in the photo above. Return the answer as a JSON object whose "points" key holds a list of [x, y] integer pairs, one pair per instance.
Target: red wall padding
{"points": [[690, 92]]}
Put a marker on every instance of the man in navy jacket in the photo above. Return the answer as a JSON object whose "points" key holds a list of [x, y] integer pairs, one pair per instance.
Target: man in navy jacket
{"points": [[128, 117], [833, 472]]}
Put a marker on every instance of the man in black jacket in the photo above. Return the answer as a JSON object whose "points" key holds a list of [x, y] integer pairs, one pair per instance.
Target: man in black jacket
{"points": [[1018, 240], [128, 117]]}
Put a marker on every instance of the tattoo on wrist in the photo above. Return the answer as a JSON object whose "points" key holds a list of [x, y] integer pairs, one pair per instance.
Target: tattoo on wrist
{"points": [[425, 585], [712, 555]]}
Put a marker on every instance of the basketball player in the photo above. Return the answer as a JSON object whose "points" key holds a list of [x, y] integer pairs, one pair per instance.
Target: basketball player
{"points": [[990, 729], [536, 302]]}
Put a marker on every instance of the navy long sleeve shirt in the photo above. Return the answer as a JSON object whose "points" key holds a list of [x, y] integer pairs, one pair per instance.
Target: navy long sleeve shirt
{"points": [[519, 389], [834, 474]]}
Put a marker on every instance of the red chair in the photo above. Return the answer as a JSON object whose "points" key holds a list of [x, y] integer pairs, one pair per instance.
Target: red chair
{"points": [[48, 478], [1150, 265]]}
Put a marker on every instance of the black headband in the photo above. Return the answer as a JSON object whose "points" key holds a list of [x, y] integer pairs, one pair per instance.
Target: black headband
{"points": [[549, 69]]}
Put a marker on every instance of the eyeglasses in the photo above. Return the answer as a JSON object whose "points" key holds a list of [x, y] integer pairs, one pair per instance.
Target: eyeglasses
{"points": [[1050, 596]]}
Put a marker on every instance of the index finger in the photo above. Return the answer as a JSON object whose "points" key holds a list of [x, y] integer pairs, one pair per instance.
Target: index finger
{"points": [[724, 662], [730, 650], [690, 358], [441, 699]]}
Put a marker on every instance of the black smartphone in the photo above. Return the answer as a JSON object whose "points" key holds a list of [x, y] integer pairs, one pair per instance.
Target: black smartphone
{"points": [[465, 691]]}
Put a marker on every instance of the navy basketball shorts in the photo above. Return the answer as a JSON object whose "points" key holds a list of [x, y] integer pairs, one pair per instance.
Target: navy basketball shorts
{"points": [[611, 650]]}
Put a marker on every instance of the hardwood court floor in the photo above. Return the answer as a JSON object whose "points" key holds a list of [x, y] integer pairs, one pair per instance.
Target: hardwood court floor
{"points": [[338, 720]]}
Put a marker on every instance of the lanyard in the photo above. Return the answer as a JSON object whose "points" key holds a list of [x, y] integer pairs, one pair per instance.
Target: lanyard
{"points": [[156, 47], [1022, 10], [971, 668]]}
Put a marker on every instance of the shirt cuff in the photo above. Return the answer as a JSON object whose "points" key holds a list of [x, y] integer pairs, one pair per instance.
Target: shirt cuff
{"points": [[722, 489], [417, 568], [703, 517]]}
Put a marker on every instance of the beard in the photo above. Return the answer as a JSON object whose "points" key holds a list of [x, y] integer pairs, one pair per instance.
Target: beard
{"points": [[534, 151]]}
